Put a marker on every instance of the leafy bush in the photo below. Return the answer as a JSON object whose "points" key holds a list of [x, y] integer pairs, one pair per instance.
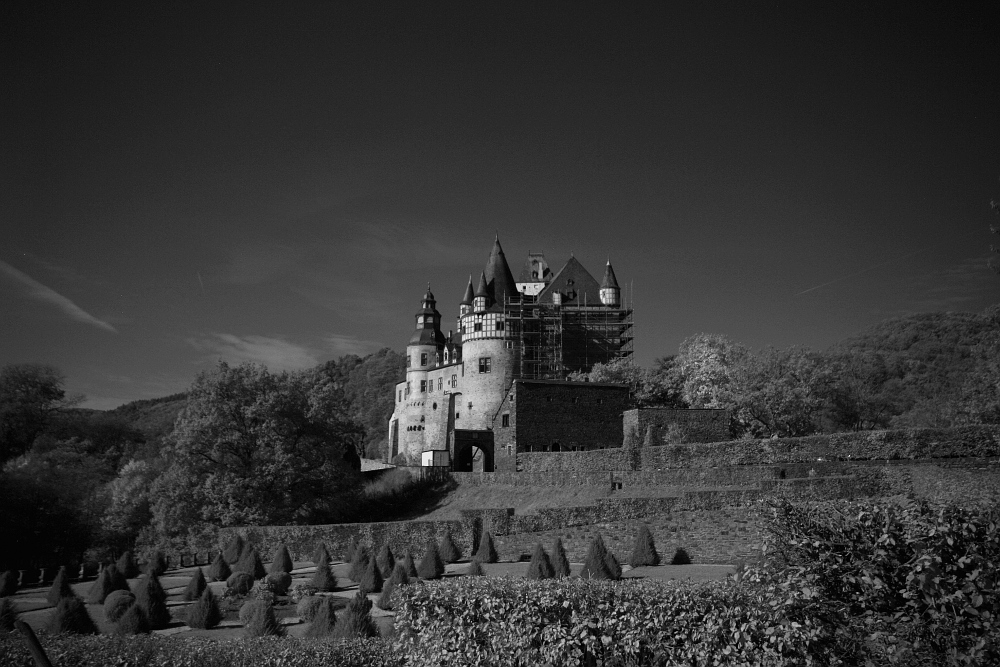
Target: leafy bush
{"points": [[611, 562], [560, 564], [279, 582], [371, 580], [384, 600], [133, 622], [359, 563], [204, 614], [595, 564], [263, 590], [250, 563], [431, 566], [308, 606], [258, 620], [152, 599], [644, 550], [399, 576], [386, 561], [409, 566], [357, 620], [127, 565], [540, 566], [475, 569], [60, 588], [239, 583], [487, 551], [71, 616], [116, 604], [301, 591], [157, 564], [8, 583], [195, 585], [681, 557], [324, 619], [234, 550], [282, 561], [7, 614], [448, 550], [219, 569], [110, 579], [323, 579]]}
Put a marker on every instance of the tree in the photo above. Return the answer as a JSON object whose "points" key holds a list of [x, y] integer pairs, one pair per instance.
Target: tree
{"points": [[706, 363], [659, 387], [30, 397], [256, 448]]}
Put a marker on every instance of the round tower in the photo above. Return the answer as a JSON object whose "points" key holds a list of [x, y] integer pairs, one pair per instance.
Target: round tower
{"points": [[611, 294]]}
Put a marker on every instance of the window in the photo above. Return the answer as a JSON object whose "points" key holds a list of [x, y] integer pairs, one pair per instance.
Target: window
{"points": [[485, 364], [423, 386], [470, 407], [423, 358], [478, 326], [505, 421], [454, 381], [407, 361], [440, 383], [407, 388], [400, 395], [499, 325], [509, 344], [457, 415]]}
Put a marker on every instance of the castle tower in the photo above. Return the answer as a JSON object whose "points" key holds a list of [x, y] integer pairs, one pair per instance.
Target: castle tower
{"points": [[611, 294]]}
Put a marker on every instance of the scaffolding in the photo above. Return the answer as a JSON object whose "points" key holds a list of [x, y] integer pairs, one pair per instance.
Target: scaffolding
{"points": [[553, 341]]}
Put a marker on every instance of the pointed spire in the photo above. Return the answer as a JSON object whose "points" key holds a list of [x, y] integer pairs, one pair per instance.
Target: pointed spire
{"points": [[500, 281], [482, 290], [609, 277], [469, 294]]}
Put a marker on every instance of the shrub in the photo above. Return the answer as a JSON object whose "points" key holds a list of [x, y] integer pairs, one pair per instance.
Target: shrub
{"points": [[157, 564], [321, 551], [408, 565], [263, 590], [540, 566], [7, 614], [475, 569], [371, 580], [308, 606], [204, 614], [359, 563], [116, 604], [560, 564], [448, 550], [280, 582], [384, 600], [219, 569], [282, 561], [399, 575], [644, 550], [431, 566], [250, 563], [110, 579], [352, 549], [60, 588], [323, 579], [386, 561], [234, 550], [258, 620], [8, 583], [595, 565], [614, 567], [196, 584], [357, 620], [301, 591], [71, 616], [127, 565], [151, 597], [487, 551], [133, 622], [324, 619], [681, 557], [239, 583]]}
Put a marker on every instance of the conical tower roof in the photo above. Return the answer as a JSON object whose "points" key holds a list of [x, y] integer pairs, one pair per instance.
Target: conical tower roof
{"points": [[609, 277], [483, 289], [469, 294], [500, 283]]}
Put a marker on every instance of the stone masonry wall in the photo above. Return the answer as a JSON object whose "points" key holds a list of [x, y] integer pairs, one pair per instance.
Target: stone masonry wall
{"points": [[566, 415], [693, 425]]}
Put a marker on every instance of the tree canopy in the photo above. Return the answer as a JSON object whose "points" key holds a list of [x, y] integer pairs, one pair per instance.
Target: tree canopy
{"points": [[30, 397]]}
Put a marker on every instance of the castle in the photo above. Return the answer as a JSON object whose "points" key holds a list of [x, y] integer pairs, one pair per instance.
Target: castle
{"points": [[498, 384]]}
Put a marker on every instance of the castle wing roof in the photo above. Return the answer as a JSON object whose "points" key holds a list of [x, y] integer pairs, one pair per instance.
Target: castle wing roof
{"points": [[576, 285]]}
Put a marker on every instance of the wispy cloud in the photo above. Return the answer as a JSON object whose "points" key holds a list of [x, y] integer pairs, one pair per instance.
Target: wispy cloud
{"points": [[275, 353], [341, 345], [37, 290]]}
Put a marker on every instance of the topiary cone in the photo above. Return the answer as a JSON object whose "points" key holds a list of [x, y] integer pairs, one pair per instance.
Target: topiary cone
{"points": [[282, 561], [540, 567], [196, 584], [250, 563], [60, 588], [352, 549], [644, 550], [7, 614], [487, 551], [448, 550], [219, 569], [399, 575], [157, 564], [560, 564], [431, 566], [356, 623], [475, 569], [323, 579], [384, 600], [321, 552], [371, 580], [234, 550], [151, 597], [595, 564], [386, 561], [127, 565], [359, 563], [324, 619], [133, 622], [71, 616], [204, 614], [409, 566]]}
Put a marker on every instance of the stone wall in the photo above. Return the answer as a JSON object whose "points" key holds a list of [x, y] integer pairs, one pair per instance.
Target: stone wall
{"points": [[664, 424]]}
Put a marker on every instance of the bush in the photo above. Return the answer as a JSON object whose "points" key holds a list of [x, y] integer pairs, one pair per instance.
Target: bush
{"points": [[301, 591], [234, 550], [282, 561], [399, 575], [644, 550], [71, 616], [110, 579], [475, 569], [371, 580], [386, 561], [204, 614], [133, 622], [321, 551], [323, 579], [7, 614], [448, 550], [431, 566], [195, 585], [352, 549], [60, 588], [157, 564], [487, 551], [560, 564], [127, 565], [250, 563], [681, 557], [280, 582], [359, 563], [408, 565], [152, 599], [384, 600], [324, 619], [357, 620], [219, 569], [258, 620], [239, 583], [116, 604], [540, 566], [8, 583], [308, 606], [614, 567], [595, 565]]}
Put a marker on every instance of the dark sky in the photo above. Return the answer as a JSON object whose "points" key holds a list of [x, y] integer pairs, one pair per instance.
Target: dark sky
{"points": [[183, 182]]}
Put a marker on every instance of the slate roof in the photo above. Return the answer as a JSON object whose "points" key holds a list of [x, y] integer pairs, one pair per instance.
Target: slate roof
{"points": [[609, 277], [499, 280], [576, 285]]}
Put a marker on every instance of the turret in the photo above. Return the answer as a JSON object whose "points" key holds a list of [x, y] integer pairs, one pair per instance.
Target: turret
{"points": [[465, 307], [481, 300], [611, 294], [427, 341]]}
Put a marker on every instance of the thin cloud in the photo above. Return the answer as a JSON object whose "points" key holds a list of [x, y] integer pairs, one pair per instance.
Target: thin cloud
{"points": [[275, 353], [342, 345], [38, 291]]}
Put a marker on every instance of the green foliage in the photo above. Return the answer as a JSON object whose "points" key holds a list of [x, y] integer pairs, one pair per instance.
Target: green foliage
{"points": [[409, 566], [280, 582], [357, 622], [475, 569], [487, 551], [321, 553], [195, 586], [152, 599], [204, 614], [352, 550], [60, 587], [30, 397], [661, 386], [448, 550], [384, 600], [8, 614], [234, 550], [644, 550], [133, 622], [116, 604], [399, 577], [324, 619], [359, 563], [258, 620], [71, 616], [127, 566], [540, 566], [110, 579], [371, 580], [250, 563], [386, 561], [282, 561], [323, 579], [431, 566], [308, 606], [681, 557], [219, 569], [599, 562], [157, 564], [8, 583], [239, 583]]}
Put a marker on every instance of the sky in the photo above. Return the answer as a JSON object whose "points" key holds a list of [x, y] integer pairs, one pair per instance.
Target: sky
{"points": [[278, 182]]}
